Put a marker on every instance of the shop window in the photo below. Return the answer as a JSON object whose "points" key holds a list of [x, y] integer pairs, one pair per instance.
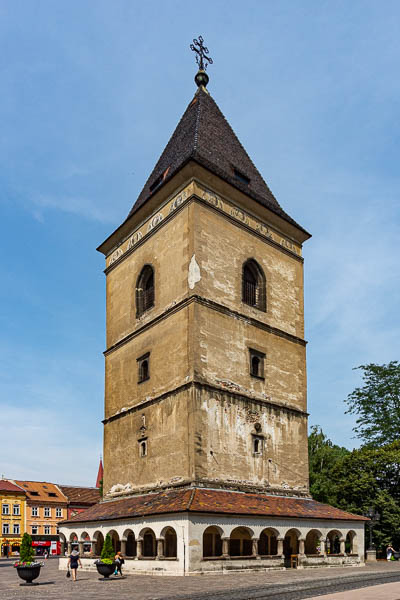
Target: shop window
{"points": [[16, 510], [256, 363], [144, 367], [5, 509]]}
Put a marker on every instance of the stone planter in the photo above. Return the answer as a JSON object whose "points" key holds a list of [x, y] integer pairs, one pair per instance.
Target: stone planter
{"points": [[105, 570], [28, 574]]}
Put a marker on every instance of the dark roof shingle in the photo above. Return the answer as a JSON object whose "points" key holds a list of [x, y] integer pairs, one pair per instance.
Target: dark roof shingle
{"points": [[212, 501], [204, 135]]}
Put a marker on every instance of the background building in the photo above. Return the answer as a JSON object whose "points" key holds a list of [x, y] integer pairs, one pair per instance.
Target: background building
{"points": [[46, 506], [12, 516]]}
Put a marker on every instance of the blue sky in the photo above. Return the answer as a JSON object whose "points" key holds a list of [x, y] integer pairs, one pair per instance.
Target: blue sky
{"points": [[91, 92]]}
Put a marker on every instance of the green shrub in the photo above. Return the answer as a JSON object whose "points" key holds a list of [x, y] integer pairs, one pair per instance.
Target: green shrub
{"points": [[26, 552], [107, 552]]}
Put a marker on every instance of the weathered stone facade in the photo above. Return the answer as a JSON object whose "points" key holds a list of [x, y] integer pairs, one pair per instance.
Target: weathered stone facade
{"points": [[199, 406]]}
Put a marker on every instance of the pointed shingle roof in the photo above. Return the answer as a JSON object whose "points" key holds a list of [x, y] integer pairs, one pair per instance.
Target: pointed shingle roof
{"points": [[205, 136]]}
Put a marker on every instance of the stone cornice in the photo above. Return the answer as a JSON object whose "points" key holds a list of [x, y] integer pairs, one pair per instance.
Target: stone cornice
{"points": [[211, 304], [210, 387], [191, 193]]}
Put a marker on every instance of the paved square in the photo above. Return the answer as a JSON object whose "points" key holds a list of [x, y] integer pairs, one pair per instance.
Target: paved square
{"points": [[290, 584]]}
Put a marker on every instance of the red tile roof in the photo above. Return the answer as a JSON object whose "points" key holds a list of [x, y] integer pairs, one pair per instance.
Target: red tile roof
{"points": [[81, 495], [212, 501], [7, 486]]}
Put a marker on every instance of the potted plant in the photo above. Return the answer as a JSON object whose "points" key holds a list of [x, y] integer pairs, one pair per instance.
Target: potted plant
{"points": [[106, 564], [27, 568]]}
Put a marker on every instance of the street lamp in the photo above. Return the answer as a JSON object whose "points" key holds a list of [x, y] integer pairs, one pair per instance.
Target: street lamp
{"points": [[373, 517]]}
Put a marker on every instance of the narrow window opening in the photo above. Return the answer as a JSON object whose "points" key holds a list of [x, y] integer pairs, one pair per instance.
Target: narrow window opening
{"points": [[143, 448], [256, 363], [253, 285], [145, 290], [255, 366], [256, 446], [144, 367]]}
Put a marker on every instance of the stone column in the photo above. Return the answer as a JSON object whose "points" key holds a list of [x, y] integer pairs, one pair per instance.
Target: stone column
{"points": [[279, 551], [225, 547], [62, 548], [160, 548], [254, 551], [354, 548], [139, 548], [342, 545], [80, 544], [69, 548], [302, 544], [323, 549], [123, 547]]}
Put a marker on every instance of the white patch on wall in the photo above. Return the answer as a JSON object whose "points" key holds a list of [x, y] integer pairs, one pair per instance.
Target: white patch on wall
{"points": [[194, 272]]}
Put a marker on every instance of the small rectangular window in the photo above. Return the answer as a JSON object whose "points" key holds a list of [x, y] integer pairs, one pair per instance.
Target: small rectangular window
{"points": [[258, 444], [5, 528], [47, 529], [257, 360], [241, 177], [142, 448], [52, 494], [143, 367], [58, 512], [35, 511], [35, 529], [16, 510], [34, 493], [16, 529], [5, 509], [47, 511]]}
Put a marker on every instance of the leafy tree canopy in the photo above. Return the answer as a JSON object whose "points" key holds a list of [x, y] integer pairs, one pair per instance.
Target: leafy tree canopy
{"points": [[377, 404]]}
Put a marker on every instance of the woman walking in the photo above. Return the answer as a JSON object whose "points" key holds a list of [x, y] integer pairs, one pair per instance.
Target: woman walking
{"points": [[119, 561], [73, 562]]}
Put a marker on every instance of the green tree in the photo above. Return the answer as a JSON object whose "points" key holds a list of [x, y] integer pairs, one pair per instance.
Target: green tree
{"points": [[107, 552], [26, 552], [323, 456], [377, 404]]}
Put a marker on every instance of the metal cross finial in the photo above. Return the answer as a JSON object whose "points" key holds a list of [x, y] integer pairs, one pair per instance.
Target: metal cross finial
{"points": [[201, 52]]}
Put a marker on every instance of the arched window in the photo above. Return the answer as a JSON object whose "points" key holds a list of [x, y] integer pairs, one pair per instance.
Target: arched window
{"points": [[145, 290], [253, 285]]}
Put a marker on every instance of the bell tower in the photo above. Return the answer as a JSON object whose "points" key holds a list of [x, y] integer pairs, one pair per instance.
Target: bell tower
{"points": [[205, 361]]}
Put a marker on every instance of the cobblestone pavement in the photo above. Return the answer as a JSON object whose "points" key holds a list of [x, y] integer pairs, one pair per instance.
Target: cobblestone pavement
{"points": [[279, 585]]}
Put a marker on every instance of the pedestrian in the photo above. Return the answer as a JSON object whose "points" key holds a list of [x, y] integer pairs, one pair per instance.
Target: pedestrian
{"points": [[119, 561], [46, 555], [73, 562], [389, 552]]}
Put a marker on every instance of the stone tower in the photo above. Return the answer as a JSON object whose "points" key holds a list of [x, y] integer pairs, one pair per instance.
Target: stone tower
{"points": [[206, 358], [205, 428]]}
